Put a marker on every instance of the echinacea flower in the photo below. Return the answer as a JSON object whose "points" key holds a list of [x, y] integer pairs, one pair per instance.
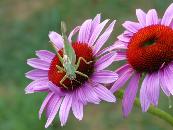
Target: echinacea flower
{"points": [[149, 57], [77, 92]]}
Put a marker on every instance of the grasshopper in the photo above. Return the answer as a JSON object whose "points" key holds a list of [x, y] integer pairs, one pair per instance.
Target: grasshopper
{"points": [[68, 60]]}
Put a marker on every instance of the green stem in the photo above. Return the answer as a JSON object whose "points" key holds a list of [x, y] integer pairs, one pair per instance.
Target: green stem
{"points": [[153, 110]]}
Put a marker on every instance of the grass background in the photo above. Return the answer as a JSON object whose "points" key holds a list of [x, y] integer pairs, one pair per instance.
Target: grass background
{"points": [[24, 27]]}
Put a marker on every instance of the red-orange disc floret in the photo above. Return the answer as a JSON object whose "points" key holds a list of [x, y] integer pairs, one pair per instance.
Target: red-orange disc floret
{"points": [[150, 58], [81, 50]]}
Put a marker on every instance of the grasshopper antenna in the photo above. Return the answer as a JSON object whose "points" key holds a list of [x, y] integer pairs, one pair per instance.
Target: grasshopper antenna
{"points": [[63, 29]]}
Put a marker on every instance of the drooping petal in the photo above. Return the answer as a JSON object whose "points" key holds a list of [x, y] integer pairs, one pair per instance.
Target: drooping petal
{"points": [[103, 38], [54, 107], [84, 31], [77, 108], [65, 109], [36, 74], [130, 94], [163, 83], [90, 94], [45, 55], [37, 86], [104, 76], [168, 79], [145, 103], [151, 17], [96, 32], [104, 94], [56, 39], [75, 30], [38, 63], [121, 80], [132, 26], [153, 88], [105, 61], [45, 102], [168, 16], [141, 15]]}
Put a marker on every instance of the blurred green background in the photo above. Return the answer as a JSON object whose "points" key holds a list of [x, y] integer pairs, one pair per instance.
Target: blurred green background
{"points": [[24, 27]]}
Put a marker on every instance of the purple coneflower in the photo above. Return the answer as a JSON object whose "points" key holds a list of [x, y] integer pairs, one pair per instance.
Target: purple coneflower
{"points": [[149, 56], [78, 92]]}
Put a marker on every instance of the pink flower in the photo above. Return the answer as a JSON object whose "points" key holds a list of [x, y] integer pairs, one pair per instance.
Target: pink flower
{"points": [[74, 94], [147, 47]]}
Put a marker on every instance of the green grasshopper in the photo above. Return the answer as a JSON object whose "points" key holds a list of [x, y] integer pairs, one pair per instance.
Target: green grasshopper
{"points": [[68, 60]]}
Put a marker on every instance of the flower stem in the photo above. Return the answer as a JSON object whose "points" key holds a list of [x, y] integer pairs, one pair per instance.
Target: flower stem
{"points": [[152, 110]]}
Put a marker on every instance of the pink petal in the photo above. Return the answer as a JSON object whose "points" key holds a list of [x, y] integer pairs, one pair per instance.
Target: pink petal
{"points": [[153, 88], [145, 103], [151, 17], [81, 95], [121, 55], [36, 74], [164, 87], [65, 109], [37, 86], [54, 107], [45, 55], [104, 94], [168, 16], [96, 32], [45, 102], [73, 32], [105, 61], [168, 79], [163, 83], [130, 94], [128, 33], [77, 108], [141, 15], [95, 22], [90, 94], [38, 64], [123, 69], [84, 31], [103, 38], [56, 39], [55, 89], [104, 76], [121, 80], [124, 38], [116, 46], [132, 26]]}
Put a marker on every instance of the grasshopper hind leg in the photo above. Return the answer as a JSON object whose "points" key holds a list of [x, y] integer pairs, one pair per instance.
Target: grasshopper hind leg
{"points": [[62, 80]]}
